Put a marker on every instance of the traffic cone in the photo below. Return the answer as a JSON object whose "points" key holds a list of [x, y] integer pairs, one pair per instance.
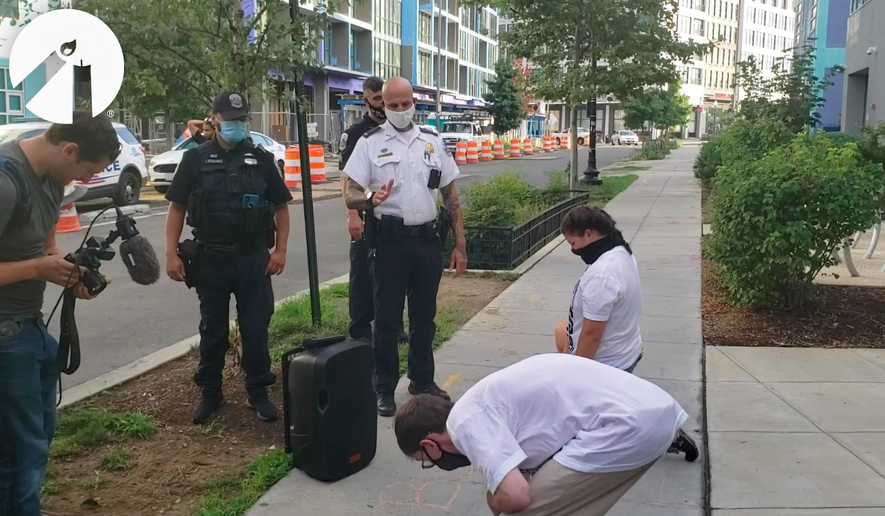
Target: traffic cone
{"points": [[68, 221]]}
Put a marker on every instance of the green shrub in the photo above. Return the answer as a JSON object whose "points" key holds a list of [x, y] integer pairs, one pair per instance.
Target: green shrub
{"points": [[839, 139], [748, 140], [777, 220], [707, 161], [495, 203]]}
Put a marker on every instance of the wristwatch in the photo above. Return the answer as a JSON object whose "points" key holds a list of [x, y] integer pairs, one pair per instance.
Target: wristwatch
{"points": [[369, 197]]}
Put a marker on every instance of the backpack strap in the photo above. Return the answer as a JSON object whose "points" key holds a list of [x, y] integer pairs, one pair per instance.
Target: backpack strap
{"points": [[22, 211]]}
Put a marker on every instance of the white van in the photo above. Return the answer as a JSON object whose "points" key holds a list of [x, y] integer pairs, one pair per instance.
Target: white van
{"points": [[121, 181]]}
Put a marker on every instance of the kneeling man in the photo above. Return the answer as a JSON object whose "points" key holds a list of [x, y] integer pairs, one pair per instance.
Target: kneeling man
{"points": [[603, 428]]}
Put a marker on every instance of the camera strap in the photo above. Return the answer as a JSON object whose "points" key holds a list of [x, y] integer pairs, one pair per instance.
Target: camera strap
{"points": [[69, 343]]}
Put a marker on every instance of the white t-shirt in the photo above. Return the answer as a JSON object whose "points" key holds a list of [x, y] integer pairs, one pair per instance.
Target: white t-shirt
{"points": [[609, 291], [587, 416]]}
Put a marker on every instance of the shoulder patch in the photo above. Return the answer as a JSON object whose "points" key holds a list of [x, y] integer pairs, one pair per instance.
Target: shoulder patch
{"points": [[427, 130], [372, 131], [342, 143]]}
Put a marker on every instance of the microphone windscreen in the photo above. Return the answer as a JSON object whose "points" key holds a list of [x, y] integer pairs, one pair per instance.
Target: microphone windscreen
{"points": [[141, 260]]}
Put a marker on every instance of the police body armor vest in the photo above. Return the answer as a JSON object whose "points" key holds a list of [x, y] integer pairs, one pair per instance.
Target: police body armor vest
{"points": [[228, 202]]}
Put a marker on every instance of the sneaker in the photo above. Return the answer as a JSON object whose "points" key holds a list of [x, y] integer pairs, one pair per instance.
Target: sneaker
{"points": [[684, 444], [261, 404], [386, 404], [207, 408], [432, 389]]}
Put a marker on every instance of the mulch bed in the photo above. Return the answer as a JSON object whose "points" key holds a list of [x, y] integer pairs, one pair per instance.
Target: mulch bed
{"points": [[838, 317]]}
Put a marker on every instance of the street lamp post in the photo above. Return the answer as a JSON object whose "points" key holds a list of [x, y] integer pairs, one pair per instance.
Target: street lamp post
{"points": [[591, 175], [309, 225]]}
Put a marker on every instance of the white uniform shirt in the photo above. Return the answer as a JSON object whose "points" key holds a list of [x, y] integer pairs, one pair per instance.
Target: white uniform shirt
{"points": [[407, 158], [609, 291], [587, 416]]}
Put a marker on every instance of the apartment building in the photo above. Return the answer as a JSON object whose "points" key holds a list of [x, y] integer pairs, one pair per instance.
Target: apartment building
{"points": [[767, 31], [426, 41], [863, 98], [14, 99], [822, 25]]}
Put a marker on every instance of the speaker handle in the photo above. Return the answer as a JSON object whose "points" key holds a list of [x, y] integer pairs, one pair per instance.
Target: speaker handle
{"points": [[322, 342]]}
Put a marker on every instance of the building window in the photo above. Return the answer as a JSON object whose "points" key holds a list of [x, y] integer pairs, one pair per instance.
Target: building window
{"points": [[388, 18], [387, 58], [424, 29], [12, 100], [462, 47], [424, 69], [696, 76], [857, 4]]}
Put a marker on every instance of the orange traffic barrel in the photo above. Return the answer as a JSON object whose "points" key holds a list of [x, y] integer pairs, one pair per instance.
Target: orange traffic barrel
{"points": [[317, 164], [548, 145], [564, 142], [68, 221], [527, 147], [461, 153], [472, 152], [485, 153], [292, 167], [515, 147], [499, 150]]}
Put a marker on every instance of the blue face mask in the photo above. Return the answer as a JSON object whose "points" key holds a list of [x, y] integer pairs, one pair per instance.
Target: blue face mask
{"points": [[234, 131]]}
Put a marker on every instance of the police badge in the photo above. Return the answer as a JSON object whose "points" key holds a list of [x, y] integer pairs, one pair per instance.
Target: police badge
{"points": [[342, 143]]}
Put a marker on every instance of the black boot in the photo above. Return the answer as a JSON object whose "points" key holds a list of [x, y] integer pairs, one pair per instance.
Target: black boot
{"points": [[207, 407], [386, 404], [402, 337], [432, 389], [263, 407], [684, 444]]}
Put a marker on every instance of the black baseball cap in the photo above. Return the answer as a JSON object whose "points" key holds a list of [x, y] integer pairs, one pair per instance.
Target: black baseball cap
{"points": [[231, 106]]}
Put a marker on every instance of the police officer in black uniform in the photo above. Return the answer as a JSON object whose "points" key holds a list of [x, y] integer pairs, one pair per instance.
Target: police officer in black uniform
{"points": [[362, 309], [236, 202]]}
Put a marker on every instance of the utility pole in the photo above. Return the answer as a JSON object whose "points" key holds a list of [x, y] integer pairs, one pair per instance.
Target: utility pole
{"points": [[309, 226]]}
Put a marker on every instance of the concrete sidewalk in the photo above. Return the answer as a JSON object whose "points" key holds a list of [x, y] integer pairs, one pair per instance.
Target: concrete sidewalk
{"points": [[796, 432], [661, 215]]}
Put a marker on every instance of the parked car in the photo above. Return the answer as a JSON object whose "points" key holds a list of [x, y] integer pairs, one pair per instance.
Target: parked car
{"points": [[625, 138], [121, 181], [162, 167], [583, 135]]}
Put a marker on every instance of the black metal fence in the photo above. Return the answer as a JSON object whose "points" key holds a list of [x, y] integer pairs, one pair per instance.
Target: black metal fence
{"points": [[494, 248]]}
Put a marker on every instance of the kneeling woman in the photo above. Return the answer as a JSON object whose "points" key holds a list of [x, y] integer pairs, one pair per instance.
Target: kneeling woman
{"points": [[606, 307]]}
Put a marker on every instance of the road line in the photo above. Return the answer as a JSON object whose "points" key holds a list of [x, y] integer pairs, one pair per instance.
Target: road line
{"points": [[450, 380]]}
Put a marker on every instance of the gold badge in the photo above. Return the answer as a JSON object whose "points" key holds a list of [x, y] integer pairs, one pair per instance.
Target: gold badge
{"points": [[429, 147]]}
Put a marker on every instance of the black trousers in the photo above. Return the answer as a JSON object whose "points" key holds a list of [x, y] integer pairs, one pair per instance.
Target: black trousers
{"points": [[244, 277], [362, 303], [411, 267]]}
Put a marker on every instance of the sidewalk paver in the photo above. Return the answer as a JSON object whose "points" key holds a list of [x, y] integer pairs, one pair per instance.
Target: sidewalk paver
{"points": [[661, 214], [796, 432]]}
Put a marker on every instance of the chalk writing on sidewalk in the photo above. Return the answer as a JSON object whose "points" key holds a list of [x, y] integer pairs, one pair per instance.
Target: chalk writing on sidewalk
{"points": [[406, 494]]}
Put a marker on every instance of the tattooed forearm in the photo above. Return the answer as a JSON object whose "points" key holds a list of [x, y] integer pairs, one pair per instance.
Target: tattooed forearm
{"points": [[355, 196], [453, 206]]}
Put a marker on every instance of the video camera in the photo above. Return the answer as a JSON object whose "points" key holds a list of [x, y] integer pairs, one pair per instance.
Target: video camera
{"points": [[98, 249]]}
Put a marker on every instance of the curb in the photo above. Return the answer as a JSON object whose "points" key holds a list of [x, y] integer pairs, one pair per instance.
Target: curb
{"points": [[111, 215], [156, 359]]}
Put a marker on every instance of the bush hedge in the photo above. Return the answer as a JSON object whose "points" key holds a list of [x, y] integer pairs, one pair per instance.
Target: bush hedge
{"points": [[777, 219], [707, 161], [508, 199]]}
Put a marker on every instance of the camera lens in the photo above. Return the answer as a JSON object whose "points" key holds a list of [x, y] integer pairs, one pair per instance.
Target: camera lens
{"points": [[94, 282]]}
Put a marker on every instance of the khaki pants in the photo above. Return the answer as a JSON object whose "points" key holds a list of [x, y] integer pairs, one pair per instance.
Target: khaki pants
{"points": [[560, 491]]}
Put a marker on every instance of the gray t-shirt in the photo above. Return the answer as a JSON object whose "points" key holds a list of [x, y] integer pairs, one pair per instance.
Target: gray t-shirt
{"points": [[25, 241]]}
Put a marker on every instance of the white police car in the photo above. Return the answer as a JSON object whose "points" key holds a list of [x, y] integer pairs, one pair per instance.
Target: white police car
{"points": [[123, 178], [162, 167]]}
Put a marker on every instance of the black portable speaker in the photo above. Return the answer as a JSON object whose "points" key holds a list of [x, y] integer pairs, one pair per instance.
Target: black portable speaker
{"points": [[329, 406]]}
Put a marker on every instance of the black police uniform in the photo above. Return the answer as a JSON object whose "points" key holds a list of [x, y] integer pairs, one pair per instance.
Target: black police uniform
{"points": [[231, 197], [362, 308]]}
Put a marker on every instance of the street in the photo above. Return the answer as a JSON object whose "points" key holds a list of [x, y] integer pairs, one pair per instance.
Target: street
{"points": [[129, 321]]}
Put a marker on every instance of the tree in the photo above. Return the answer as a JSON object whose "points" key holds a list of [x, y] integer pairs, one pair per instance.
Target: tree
{"points": [[793, 94], [181, 53], [505, 102], [662, 108], [583, 49]]}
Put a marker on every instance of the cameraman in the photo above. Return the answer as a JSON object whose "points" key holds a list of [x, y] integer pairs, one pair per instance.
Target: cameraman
{"points": [[33, 175]]}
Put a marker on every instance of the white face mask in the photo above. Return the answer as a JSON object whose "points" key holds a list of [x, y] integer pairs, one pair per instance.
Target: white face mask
{"points": [[400, 119]]}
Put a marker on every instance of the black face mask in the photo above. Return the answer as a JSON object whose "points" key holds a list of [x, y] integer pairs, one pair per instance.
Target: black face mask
{"points": [[378, 112], [591, 252], [448, 461]]}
